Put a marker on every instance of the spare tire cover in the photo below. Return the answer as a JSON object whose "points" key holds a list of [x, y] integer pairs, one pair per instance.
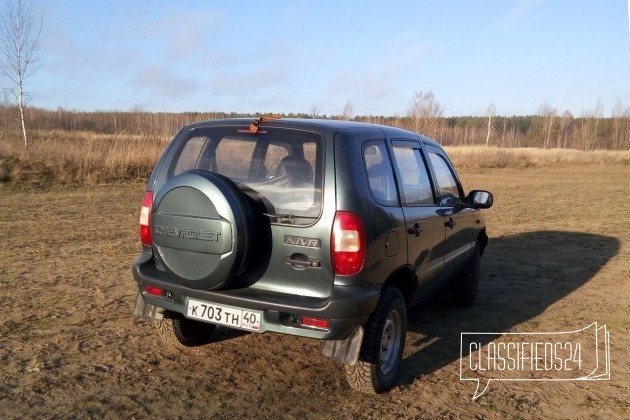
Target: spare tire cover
{"points": [[200, 226]]}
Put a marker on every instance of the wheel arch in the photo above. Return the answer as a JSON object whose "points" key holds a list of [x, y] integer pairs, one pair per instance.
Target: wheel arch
{"points": [[404, 279], [482, 238]]}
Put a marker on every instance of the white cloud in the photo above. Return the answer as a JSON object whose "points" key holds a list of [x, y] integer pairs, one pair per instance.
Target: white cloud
{"points": [[161, 81], [252, 72], [180, 33], [518, 11], [380, 80]]}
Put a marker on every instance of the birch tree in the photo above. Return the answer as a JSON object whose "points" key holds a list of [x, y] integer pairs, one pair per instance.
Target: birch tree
{"points": [[565, 124], [617, 115], [547, 114], [20, 45], [425, 112], [348, 110], [491, 112]]}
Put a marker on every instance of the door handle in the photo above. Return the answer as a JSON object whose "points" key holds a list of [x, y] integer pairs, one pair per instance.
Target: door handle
{"points": [[450, 223], [303, 263], [416, 230]]}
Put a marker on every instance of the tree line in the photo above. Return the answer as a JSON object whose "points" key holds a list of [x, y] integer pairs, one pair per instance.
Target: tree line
{"points": [[545, 129]]}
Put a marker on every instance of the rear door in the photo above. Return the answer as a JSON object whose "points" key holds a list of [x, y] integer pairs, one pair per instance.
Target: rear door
{"points": [[281, 172], [424, 223], [458, 220]]}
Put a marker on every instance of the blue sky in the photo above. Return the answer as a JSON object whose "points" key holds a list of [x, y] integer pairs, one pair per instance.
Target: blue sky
{"points": [[289, 56]]}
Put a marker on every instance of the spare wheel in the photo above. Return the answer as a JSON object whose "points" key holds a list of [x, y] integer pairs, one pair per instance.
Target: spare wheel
{"points": [[202, 228]]}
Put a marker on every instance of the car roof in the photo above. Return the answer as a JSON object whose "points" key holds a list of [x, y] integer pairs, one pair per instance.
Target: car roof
{"points": [[305, 123]]}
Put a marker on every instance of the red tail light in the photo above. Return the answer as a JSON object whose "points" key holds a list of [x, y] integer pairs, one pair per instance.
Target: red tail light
{"points": [[348, 239], [145, 219]]}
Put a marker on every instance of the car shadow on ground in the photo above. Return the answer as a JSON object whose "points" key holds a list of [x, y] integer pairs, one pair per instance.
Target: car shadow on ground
{"points": [[522, 275], [222, 333]]}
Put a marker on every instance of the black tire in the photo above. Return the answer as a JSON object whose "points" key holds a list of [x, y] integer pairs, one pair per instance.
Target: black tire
{"points": [[376, 370], [180, 331], [466, 284]]}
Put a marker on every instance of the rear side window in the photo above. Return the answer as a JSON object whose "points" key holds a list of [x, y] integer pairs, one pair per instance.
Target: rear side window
{"points": [[379, 173], [282, 168], [447, 185]]}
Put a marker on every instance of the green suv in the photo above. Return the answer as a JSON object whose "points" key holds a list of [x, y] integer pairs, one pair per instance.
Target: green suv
{"points": [[316, 228]]}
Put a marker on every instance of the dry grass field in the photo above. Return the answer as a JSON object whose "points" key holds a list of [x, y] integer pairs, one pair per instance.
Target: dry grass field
{"points": [[558, 259], [88, 158], [78, 158]]}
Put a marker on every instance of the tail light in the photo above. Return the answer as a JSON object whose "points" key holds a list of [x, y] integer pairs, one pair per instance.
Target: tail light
{"points": [[348, 239], [145, 219]]}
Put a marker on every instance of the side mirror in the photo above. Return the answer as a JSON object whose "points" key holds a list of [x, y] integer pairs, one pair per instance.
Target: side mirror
{"points": [[479, 199]]}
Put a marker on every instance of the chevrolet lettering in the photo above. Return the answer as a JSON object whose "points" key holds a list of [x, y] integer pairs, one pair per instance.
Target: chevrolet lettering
{"points": [[187, 233]]}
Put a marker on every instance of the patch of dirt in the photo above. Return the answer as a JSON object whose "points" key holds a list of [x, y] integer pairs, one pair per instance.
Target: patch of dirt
{"points": [[70, 347]]}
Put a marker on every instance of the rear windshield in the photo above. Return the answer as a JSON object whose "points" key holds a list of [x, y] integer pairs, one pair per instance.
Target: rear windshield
{"points": [[279, 167]]}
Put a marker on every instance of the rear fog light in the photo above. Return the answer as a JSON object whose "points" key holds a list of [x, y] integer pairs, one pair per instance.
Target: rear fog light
{"points": [[154, 291], [319, 323]]}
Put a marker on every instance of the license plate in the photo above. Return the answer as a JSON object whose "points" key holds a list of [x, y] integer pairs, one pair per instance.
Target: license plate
{"points": [[229, 316]]}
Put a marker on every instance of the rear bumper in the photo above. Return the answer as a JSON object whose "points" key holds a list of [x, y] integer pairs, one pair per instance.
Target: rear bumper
{"points": [[347, 306]]}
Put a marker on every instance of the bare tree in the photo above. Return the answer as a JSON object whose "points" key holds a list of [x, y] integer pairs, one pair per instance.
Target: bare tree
{"points": [[315, 111], [425, 112], [547, 114], [348, 110], [491, 112], [20, 45], [565, 124], [617, 115], [589, 127], [599, 114]]}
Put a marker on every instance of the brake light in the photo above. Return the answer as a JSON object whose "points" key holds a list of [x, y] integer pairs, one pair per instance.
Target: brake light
{"points": [[348, 239], [145, 219]]}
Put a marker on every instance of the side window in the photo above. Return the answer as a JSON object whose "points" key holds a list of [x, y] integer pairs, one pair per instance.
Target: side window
{"points": [[416, 184], [447, 185], [380, 174]]}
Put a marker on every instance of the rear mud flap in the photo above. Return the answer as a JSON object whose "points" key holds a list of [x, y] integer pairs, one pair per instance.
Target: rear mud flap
{"points": [[146, 311], [346, 351]]}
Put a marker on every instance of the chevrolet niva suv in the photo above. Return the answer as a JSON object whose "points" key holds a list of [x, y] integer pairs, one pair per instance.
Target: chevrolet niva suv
{"points": [[315, 228]]}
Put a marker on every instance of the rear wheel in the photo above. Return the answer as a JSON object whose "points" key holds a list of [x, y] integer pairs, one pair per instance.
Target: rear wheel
{"points": [[180, 331], [381, 353]]}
